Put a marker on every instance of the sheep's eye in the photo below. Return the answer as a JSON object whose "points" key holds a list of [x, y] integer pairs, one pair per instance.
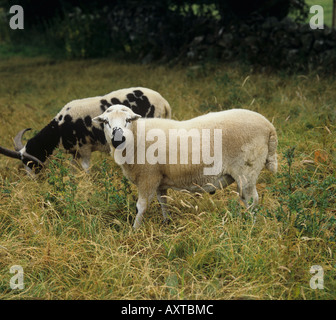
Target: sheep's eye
{"points": [[128, 120], [105, 122]]}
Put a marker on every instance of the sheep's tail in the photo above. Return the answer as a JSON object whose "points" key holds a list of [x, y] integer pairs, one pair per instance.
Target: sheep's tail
{"points": [[271, 160]]}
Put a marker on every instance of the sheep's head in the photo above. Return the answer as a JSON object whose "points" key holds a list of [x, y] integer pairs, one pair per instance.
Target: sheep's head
{"points": [[116, 120]]}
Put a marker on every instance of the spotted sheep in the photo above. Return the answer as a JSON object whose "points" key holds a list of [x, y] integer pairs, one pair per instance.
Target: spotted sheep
{"points": [[248, 142], [73, 128]]}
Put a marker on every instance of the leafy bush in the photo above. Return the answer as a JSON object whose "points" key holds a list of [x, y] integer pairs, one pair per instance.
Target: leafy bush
{"points": [[166, 29], [304, 198], [145, 29], [80, 34], [64, 187]]}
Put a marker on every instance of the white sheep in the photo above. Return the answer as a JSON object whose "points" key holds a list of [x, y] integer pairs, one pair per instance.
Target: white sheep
{"points": [[240, 141], [73, 128]]}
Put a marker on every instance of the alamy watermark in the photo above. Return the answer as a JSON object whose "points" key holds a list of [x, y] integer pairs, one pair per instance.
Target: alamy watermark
{"points": [[17, 20], [317, 20], [205, 144], [17, 281], [317, 280]]}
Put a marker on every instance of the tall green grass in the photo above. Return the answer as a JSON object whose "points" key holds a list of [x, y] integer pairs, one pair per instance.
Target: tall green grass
{"points": [[71, 232]]}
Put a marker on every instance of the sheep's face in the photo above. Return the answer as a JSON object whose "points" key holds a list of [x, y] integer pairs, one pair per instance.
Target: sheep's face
{"points": [[116, 120]]}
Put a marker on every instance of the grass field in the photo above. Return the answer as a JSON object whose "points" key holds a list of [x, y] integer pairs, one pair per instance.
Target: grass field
{"points": [[72, 234]]}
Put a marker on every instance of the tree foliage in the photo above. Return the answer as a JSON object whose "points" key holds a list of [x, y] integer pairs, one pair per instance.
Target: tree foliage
{"points": [[38, 11], [146, 29]]}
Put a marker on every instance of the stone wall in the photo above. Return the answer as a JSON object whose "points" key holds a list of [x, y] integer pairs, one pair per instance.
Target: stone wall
{"points": [[272, 43]]}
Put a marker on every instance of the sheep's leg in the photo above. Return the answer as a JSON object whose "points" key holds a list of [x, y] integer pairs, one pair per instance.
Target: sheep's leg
{"points": [[246, 187], [85, 154], [82, 159], [143, 202], [147, 189], [141, 207], [249, 192], [161, 196], [86, 162]]}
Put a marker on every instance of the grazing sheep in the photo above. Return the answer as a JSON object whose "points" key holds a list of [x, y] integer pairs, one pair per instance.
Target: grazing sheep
{"points": [[74, 130], [242, 142]]}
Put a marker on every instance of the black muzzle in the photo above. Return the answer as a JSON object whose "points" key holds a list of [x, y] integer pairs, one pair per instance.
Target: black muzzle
{"points": [[118, 137]]}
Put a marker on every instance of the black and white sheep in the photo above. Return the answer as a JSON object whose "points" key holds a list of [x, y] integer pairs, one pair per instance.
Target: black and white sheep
{"points": [[73, 128], [246, 142]]}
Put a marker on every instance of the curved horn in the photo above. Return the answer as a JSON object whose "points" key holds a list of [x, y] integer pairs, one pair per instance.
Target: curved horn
{"points": [[10, 153], [18, 139], [18, 155], [32, 158]]}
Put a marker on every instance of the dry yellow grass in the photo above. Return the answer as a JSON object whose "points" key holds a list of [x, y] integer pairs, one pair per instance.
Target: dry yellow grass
{"points": [[72, 234]]}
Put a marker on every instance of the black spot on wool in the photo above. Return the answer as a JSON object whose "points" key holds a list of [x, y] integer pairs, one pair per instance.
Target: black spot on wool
{"points": [[67, 118], [115, 101], [68, 133], [73, 132], [141, 104], [78, 132], [131, 97], [127, 104], [138, 102], [138, 93], [99, 135], [45, 142], [104, 104], [88, 121]]}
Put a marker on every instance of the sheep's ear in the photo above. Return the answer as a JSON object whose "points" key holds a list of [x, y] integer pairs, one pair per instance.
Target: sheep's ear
{"points": [[99, 119], [133, 117]]}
